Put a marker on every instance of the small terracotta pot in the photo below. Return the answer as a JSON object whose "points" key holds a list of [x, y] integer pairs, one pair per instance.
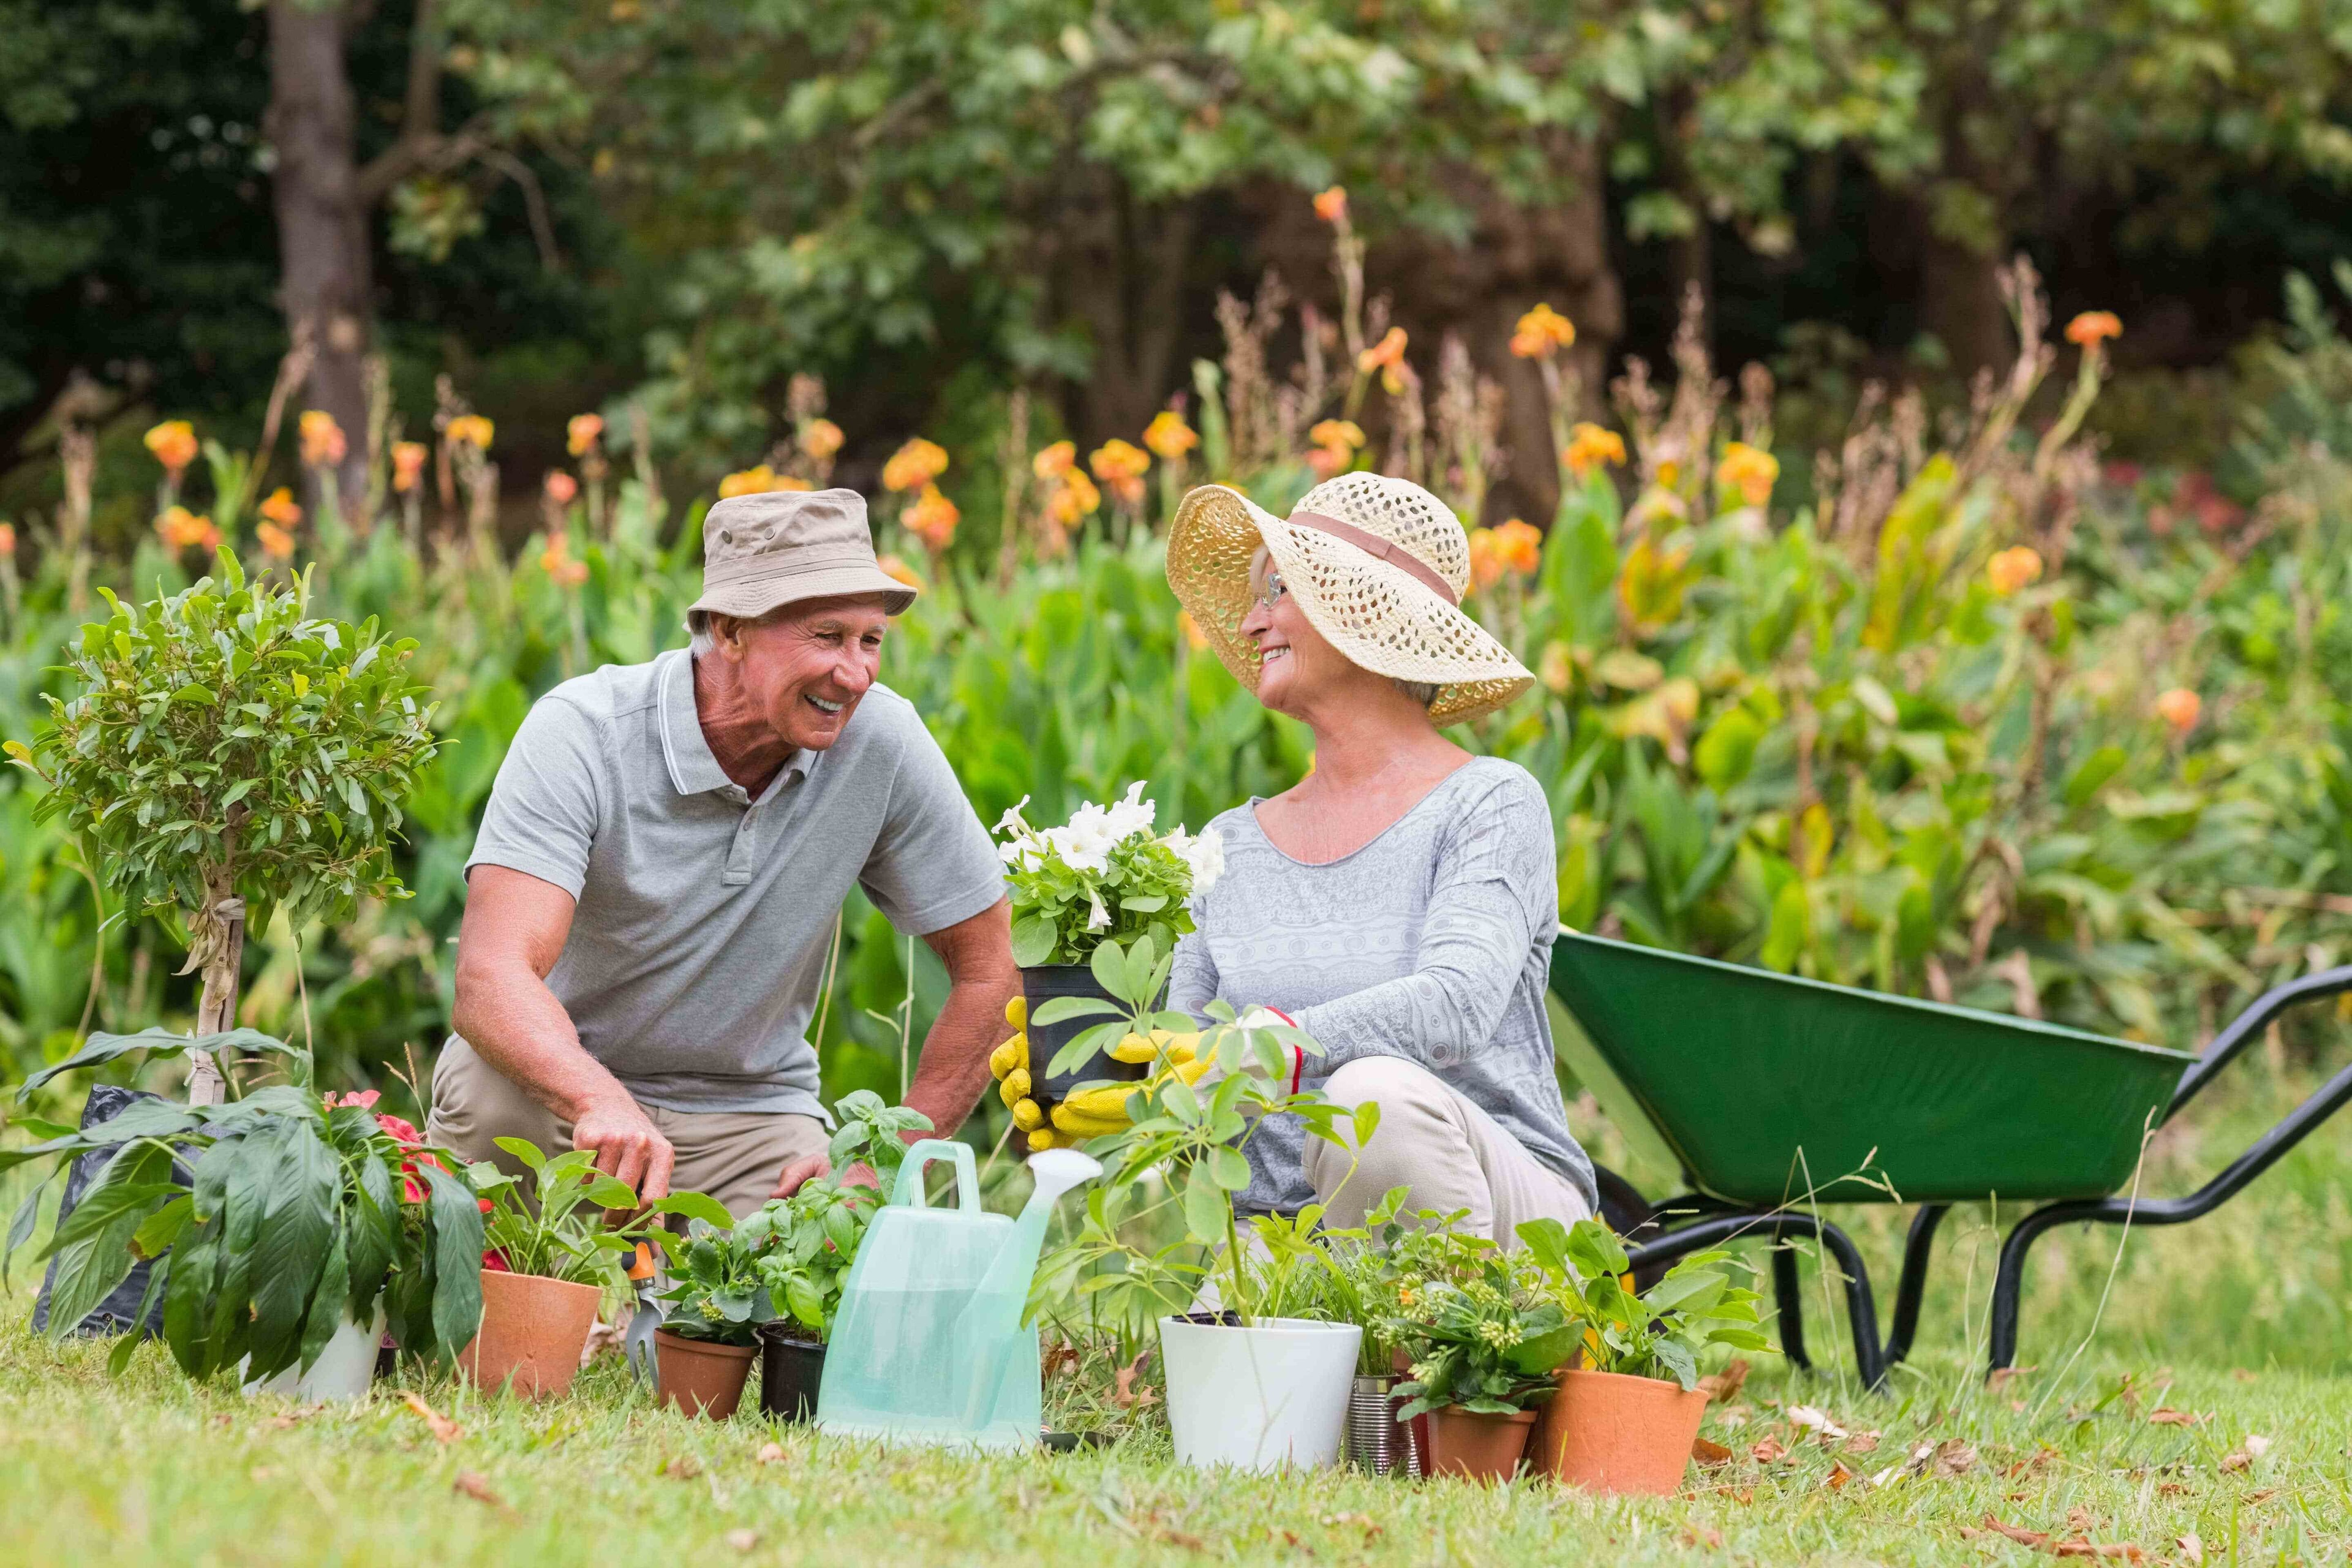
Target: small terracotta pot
{"points": [[1474, 1443], [1608, 1432], [701, 1377], [533, 1330]]}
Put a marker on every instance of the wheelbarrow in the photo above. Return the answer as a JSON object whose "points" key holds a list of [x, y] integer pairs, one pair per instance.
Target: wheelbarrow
{"points": [[1774, 1093]]}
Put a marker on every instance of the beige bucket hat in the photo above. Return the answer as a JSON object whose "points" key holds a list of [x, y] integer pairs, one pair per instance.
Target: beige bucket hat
{"points": [[760, 552], [1378, 565]]}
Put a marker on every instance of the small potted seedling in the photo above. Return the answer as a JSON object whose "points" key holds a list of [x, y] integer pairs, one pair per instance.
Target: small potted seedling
{"points": [[549, 1259], [1625, 1420], [1257, 1382], [1109, 875], [1486, 1351], [813, 1238]]}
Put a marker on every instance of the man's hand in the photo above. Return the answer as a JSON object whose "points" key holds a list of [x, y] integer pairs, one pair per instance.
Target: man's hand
{"points": [[628, 1146], [807, 1168]]}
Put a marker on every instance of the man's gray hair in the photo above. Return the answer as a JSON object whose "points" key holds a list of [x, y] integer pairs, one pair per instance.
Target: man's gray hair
{"points": [[699, 640]]}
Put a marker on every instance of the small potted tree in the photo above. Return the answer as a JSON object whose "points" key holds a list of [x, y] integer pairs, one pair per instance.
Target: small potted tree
{"points": [[1107, 875], [550, 1258], [815, 1236], [1249, 1384], [228, 752], [1625, 1420]]}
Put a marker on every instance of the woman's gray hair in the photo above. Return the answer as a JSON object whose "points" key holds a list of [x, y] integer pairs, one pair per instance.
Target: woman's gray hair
{"points": [[1421, 692]]}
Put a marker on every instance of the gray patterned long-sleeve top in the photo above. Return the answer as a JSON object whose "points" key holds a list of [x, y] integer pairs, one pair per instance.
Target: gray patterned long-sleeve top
{"points": [[1432, 942]]}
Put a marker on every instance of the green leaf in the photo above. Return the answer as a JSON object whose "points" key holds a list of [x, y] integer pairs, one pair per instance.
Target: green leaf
{"points": [[1033, 937], [1230, 1169], [696, 1205], [192, 692], [1206, 1208]]}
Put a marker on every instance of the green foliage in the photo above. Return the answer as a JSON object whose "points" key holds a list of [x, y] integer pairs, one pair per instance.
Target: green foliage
{"points": [[1105, 877], [785, 1259], [1659, 1334], [295, 1216], [225, 742], [1491, 1342], [871, 1134], [576, 1223]]}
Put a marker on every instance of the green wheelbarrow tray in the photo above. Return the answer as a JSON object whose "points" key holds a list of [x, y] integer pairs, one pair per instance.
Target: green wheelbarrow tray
{"points": [[1771, 1089], [1776, 1094]]}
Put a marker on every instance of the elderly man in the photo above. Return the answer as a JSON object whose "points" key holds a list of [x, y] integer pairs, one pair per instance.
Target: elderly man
{"points": [[653, 895]]}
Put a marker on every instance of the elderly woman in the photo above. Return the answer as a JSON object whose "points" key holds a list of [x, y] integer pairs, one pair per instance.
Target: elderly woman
{"points": [[1398, 902]]}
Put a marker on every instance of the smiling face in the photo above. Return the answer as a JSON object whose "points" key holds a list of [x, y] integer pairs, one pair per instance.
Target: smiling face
{"points": [[1296, 668], [803, 671]]}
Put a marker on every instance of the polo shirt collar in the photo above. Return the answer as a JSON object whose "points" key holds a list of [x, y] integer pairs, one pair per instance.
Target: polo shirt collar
{"points": [[692, 767]]}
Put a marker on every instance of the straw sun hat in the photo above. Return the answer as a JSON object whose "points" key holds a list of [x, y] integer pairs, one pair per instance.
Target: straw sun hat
{"points": [[1377, 564]]}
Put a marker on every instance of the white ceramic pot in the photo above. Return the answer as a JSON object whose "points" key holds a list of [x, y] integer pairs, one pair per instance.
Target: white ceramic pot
{"points": [[342, 1370], [1268, 1397]]}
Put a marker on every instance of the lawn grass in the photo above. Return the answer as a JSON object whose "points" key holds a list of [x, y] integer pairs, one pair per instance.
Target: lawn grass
{"points": [[2239, 1320]]}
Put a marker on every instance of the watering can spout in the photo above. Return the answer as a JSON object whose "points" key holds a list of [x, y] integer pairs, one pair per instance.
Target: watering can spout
{"points": [[993, 1316]]}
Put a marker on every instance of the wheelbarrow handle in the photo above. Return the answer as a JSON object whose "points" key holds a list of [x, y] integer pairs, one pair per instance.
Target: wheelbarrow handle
{"points": [[2241, 1030]]}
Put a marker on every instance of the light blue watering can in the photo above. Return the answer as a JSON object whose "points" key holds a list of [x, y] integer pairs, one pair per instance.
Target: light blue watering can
{"points": [[929, 1346]]}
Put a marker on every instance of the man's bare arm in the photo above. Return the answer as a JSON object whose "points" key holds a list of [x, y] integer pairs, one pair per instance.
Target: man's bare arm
{"points": [[513, 932], [953, 1071]]}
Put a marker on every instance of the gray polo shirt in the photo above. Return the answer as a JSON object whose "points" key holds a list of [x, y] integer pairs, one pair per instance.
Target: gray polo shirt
{"points": [[703, 916]]}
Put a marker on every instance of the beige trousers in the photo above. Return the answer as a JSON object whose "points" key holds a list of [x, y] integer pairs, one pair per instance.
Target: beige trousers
{"points": [[734, 1155], [1451, 1153]]}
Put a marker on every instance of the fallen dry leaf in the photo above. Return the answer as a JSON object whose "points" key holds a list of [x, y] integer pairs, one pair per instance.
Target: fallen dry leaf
{"points": [[1700, 1535], [1733, 1416], [476, 1485], [2122, 1549], [2023, 1537], [2081, 1519], [2003, 1376], [769, 1454], [2242, 1375], [1839, 1475], [1817, 1421], [2257, 1445], [743, 1540], [1725, 1385], [604, 1338], [1709, 1453], [2192, 1548], [1768, 1451], [1061, 1356], [1362, 1520], [2262, 1496], [1862, 1442], [684, 1468], [2165, 1415], [444, 1430], [2170, 1489], [2237, 1459], [1954, 1457], [1125, 1395]]}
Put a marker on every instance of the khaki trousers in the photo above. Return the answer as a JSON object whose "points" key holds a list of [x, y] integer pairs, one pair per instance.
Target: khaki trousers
{"points": [[1450, 1152], [734, 1155]]}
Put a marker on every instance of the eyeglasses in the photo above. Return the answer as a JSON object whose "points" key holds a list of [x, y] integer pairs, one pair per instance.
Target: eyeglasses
{"points": [[1270, 589]]}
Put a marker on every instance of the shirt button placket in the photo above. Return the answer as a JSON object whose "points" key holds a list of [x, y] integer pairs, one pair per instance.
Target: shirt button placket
{"points": [[739, 852]]}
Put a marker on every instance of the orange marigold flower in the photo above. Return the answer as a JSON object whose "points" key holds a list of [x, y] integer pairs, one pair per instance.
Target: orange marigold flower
{"points": [[1486, 564], [174, 442], [1054, 460], [562, 488], [1169, 436], [581, 432], [1386, 355], [932, 519], [7, 538], [1331, 206], [1344, 433], [894, 567], [914, 465], [2092, 326], [820, 438], [1751, 470], [1074, 498], [1519, 546], [2180, 708], [1326, 461], [1589, 446], [556, 559], [280, 508], [1116, 459], [1542, 331], [746, 482], [2013, 568], [473, 430], [182, 529], [276, 543], [408, 462], [1194, 637], [323, 445]]}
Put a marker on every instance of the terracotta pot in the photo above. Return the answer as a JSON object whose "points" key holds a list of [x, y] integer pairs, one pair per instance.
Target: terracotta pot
{"points": [[1610, 1433], [702, 1377], [1476, 1445], [533, 1330]]}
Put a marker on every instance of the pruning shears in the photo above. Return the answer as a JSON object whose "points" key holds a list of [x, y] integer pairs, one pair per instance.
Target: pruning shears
{"points": [[637, 1346]]}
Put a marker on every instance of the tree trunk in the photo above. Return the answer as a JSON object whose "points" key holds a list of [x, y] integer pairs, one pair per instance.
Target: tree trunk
{"points": [[217, 1010], [1690, 258], [322, 227], [1959, 300], [1121, 270]]}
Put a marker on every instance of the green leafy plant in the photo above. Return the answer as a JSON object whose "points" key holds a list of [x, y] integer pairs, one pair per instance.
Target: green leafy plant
{"points": [[1490, 1343], [817, 1231], [1184, 1146], [294, 1215], [1106, 877], [717, 1291], [870, 1134], [578, 1224], [1658, 1333]]}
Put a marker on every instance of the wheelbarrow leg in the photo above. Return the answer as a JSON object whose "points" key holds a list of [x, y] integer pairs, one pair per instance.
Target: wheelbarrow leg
{"points": [[1791, 1298], [1717, 1229], [1912, 1289], [1861, 1310]]}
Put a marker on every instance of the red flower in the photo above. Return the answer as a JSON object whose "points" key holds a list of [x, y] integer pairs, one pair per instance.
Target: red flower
{"points": [[495, 1262]]}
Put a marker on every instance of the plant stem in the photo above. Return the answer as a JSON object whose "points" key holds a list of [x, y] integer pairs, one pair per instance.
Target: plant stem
{"points": [[1234, 1261]]}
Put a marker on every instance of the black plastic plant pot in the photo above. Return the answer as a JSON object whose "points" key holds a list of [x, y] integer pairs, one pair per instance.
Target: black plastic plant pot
{"points": [[1040, 985], [791, 1369]]}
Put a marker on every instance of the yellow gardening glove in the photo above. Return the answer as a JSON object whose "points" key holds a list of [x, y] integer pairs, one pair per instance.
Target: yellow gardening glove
{"points": [[1097, 1112], [1009, 1065]]}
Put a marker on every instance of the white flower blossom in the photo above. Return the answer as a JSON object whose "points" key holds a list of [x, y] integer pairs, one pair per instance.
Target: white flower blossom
{"points": [[1013, 821], [1131, 814], [1205, 855], [1084, 845], [1097, 917]]}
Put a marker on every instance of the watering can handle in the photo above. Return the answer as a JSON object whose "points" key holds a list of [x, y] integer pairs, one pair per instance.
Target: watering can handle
{"points": [[910, 1190]]}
